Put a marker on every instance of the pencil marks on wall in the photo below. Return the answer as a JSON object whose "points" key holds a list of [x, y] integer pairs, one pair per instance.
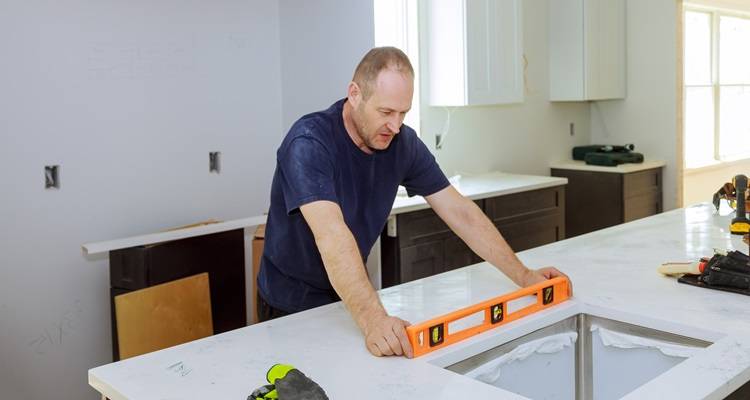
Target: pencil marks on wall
{"points": [[144, 58], [56, 333]]}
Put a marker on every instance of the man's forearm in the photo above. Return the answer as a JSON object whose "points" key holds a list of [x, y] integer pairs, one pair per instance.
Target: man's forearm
{"points": [[347, 275], [481, 235]]}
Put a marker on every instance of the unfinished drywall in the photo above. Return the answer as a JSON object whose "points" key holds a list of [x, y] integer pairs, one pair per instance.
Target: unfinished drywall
{"points": [[322, 42], [128, 98]]}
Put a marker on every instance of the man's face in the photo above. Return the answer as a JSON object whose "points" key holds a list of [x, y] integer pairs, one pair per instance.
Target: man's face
{"points": [[379, 118]]}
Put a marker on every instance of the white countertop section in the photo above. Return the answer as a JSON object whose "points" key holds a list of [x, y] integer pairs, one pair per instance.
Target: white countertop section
{"points": [[182, 233], [614, 276], [483, 186], [620, 169]]}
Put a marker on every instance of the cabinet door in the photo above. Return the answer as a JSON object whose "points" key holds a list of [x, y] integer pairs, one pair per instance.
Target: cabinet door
{"points": [[587, 49], [475, 52], [421, 261], [566, 58], [494, 52], [604, 49], [593, 200]]}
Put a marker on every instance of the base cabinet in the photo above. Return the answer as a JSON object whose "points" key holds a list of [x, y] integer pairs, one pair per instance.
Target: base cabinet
{"points": [[425, 246]]}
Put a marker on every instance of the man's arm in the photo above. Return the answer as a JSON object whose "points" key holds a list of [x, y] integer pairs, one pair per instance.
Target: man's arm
{"points": [[476, 230], [384, 335]]}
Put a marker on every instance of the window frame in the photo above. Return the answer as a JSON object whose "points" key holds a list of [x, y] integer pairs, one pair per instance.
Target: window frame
{"points": [[715, 14]]}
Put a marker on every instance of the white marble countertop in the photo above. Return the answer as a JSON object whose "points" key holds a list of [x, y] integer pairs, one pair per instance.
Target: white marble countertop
{"points": [[614, 276], [482, 186], [620, 169]]}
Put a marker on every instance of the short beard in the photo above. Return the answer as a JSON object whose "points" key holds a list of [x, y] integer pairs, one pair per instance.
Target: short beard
{"points": [[361, 126]]}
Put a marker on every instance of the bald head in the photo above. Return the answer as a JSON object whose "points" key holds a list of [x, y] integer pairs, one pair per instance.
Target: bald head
{"points": [[377, 60]]}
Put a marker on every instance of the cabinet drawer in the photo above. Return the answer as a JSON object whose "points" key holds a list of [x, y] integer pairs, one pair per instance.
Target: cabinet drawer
{"points": [[423, 226], [535, 201], [641, 206], [527, 234], [642, 182], [420, 226]]}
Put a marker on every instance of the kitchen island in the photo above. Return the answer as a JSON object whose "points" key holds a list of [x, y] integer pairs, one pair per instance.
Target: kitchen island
{"points": [[614, 276]]}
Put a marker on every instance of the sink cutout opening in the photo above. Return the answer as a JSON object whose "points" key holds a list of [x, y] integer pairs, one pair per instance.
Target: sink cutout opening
{"points": [[580, 357], [521, 303], [466, 322]]}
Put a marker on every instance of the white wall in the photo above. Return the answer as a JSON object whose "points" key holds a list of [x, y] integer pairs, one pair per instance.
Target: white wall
{"points": [[522, 138], [322, 42], [647, 117], [129, 98]]}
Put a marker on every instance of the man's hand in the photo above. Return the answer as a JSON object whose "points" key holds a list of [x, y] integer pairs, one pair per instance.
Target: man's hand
{"points": [[533, 276], [386, 336]]}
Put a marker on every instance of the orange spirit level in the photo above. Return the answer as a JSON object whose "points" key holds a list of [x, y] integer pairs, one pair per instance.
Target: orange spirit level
{"points": [[435, 333]]}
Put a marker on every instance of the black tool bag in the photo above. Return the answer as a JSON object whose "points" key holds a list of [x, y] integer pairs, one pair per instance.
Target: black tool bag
{"points": [[612, 159], [607, 155], [724, 272]]}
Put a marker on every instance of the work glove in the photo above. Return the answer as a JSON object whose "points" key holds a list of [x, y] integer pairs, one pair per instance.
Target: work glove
{"points": [[288, 383]]}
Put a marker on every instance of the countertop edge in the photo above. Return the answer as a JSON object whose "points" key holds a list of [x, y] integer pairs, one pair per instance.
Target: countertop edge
{"points": [[553, 182]]}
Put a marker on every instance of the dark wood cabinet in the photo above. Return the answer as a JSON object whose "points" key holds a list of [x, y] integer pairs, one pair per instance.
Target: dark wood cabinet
{"points": [[222, 255], [597, 199], [425, 246], [423, 260]]}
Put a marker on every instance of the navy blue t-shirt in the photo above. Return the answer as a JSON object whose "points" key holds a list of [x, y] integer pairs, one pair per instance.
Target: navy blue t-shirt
{"points": [[319, 161]]}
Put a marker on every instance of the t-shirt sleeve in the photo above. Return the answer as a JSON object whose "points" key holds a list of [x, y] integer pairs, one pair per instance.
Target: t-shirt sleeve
{"points": [[307, 172], [425, 176]]}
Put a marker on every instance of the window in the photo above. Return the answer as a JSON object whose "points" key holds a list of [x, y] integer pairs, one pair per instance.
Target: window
{"points": [[396, 25], [717, 87]]}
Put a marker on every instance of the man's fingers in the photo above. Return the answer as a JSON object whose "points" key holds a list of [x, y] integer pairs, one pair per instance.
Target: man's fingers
{"points": [[389, 338], [374, 349], [403, 339], [383, 346], [552, 272], [393, 343]]}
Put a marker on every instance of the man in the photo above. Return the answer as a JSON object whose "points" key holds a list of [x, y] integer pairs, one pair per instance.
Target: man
{"points": [[336, 178]]}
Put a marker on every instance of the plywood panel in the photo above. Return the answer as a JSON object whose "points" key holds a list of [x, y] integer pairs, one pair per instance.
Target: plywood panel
{"points": [[164, 315]]}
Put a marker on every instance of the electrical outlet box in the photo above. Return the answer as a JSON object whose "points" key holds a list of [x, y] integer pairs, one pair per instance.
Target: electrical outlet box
{"points": [[214, 162], [52, 177]]}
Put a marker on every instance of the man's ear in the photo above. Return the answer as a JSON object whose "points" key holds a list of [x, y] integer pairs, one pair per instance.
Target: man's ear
{"points": [[354, 94]]}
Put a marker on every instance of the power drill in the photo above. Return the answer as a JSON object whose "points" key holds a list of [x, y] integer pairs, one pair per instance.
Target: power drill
{"points": [[740, 224]]}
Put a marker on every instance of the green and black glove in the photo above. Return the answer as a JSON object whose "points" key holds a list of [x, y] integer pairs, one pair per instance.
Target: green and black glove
{"points": [[288, 383]]}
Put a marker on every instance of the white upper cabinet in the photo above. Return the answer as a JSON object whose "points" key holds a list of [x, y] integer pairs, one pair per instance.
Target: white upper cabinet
{"points": [[474, 52], [587, 49]]}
